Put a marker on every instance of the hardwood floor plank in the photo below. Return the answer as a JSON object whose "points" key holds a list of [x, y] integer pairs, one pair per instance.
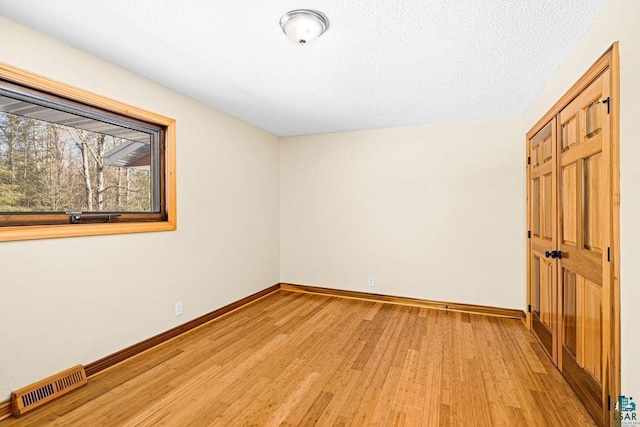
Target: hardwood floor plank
{"points": [[303, 359], [376, 369], [291, 400], [315, 411], [331, 415], [386, 398]]}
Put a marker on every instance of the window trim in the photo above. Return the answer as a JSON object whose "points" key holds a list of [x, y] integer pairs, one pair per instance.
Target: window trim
{"points": [[29, 232]]}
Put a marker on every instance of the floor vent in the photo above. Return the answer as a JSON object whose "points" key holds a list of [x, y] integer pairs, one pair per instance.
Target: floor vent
{"points": [[34, 395]]}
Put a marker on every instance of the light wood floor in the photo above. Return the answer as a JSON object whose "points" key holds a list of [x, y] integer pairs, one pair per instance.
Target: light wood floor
{"points": [[300, 359]]}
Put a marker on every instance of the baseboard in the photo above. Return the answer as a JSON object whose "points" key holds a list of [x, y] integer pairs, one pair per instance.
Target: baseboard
{"points": [[122, 355], [5, 410], [413, 302]]}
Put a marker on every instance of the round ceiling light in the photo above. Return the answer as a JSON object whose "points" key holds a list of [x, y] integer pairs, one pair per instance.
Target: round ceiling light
{"points": [[303, 26]]}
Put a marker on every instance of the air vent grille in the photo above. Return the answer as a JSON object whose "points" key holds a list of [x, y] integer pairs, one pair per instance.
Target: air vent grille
{"points": [[34, 395]]}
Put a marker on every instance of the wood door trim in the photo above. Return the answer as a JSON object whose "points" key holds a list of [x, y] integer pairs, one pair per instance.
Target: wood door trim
{"points": [[614, 386], [590, 92], [529, 225], [594, 71]]}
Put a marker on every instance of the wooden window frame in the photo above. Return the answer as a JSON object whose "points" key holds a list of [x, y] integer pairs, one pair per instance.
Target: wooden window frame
{"points": [[126, 223]]}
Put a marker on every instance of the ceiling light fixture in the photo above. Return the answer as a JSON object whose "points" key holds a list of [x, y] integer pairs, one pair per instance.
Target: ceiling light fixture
{"points": [[303, 26]]}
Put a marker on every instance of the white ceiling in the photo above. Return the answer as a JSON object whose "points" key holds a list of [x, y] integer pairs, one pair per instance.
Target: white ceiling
{"points": [[382, 63]]}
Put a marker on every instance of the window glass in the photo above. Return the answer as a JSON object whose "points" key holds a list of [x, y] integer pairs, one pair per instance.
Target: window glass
{"points": [[66, 161]]}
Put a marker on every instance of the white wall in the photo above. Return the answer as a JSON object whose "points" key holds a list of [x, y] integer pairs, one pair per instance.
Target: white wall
{"points": [[432, 212], [75, 300], [619, 21]]}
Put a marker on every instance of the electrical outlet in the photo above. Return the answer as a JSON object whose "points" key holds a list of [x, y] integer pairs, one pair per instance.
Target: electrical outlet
{"points": [[372, 281], [179, 308]]}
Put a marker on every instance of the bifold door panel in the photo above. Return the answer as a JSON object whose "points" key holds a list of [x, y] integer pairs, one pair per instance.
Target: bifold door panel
{"points": [[584, 194], [542, 148]]}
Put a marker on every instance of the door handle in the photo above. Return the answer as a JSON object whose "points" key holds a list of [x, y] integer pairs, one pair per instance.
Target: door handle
{"points": [[553, 254]]}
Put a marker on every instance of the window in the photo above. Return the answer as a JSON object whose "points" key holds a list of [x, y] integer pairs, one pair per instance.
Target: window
{"points": [[74, 163]]}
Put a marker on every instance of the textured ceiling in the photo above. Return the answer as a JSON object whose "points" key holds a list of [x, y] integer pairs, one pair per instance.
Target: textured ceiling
{"points": [[382, 63]]}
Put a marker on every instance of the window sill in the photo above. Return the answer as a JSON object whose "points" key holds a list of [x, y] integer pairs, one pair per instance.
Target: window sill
{"points": [[8, 234]]}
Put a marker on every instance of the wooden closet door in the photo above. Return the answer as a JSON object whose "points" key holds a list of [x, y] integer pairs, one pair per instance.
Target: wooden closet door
{"points": [[543, 200], [580, 328], [584, 230]]}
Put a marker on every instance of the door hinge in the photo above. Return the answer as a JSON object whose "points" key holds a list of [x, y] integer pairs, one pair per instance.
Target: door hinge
{"points": [[608, 102], [608, 254], [528, 234], [529, 308], [609, 403], [528, 160]]}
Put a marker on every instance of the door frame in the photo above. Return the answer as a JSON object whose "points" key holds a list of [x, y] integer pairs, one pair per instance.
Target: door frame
{"points": [[611, 334]]}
